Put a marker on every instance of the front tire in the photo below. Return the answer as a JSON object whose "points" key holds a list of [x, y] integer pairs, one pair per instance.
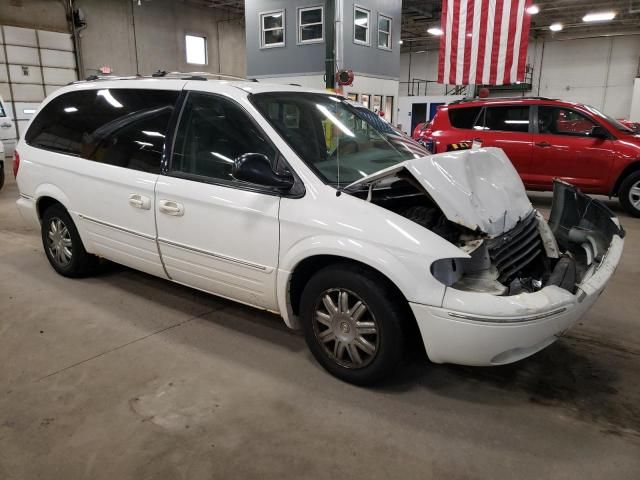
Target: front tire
{"points": [[63, 246], [629, 194], [352, 323]]}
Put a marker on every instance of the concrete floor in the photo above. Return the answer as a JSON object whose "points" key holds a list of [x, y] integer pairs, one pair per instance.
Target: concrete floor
{"points": [[128, 376]]}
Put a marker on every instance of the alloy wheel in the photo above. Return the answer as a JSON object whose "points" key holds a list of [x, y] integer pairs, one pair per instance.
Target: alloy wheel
{"points": [[634, 195], [59, 242], [346, 328]]}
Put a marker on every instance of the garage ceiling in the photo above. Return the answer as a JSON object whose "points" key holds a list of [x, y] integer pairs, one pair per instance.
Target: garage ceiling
{"points": [[419, 15], [230, 6]]}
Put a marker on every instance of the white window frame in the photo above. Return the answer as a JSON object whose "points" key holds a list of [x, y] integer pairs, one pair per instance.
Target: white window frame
{"points": [[390, 19], [262, 31], [206, 50], [368, 12], [301, 10]]}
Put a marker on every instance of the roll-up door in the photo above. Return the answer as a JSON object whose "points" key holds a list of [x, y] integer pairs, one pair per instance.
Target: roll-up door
{"points": [[33, 64]]}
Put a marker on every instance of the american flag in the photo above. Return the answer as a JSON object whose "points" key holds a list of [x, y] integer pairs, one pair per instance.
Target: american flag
{"points": [[484, 41]]}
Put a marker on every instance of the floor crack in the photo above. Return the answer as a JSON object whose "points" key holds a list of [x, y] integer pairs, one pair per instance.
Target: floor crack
{"points": [[144, 337]]}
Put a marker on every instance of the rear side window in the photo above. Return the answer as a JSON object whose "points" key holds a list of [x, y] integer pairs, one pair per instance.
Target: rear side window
{"points": [[463, 117], [504, 119], [121, 127]]}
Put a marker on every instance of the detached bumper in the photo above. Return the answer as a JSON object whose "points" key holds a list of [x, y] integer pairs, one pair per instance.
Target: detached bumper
{"points": [[474, 328], [507, 329]]}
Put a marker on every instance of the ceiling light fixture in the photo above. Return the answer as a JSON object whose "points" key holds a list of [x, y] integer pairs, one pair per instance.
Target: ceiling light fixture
{"points": [[400, 42], [533, 10], [435, 31], [599, 17], [555, 27]]}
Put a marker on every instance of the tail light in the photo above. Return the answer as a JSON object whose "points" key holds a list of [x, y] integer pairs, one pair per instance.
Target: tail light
{"points": [[16, 163]]}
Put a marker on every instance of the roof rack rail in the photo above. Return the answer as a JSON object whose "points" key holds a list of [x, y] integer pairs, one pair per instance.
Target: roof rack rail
{"points": [[165, 74], [498, 99]]}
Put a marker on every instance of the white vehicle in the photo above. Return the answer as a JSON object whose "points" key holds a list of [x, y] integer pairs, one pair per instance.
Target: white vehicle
{"points": [[7, 130], [1, 165], [293, 201]]}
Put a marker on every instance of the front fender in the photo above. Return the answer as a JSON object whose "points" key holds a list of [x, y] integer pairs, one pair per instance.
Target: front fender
{"points": [[407, 270]]}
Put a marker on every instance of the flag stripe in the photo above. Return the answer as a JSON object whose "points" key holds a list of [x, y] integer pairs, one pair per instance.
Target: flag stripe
{"points": [[443, 41], [524, 43], [514, 32], [484, 41], [454, 43], [495, 48], [469, 40], [491, 16], [479, 60]]}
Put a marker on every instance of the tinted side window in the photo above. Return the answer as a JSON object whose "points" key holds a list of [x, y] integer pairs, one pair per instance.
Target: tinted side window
{"points": [[505, 119], [562, 121], [213, 132], [463, 117], [122, 127]]}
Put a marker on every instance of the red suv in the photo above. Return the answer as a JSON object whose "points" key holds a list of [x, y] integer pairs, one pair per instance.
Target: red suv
{"points": [[547, 139]]}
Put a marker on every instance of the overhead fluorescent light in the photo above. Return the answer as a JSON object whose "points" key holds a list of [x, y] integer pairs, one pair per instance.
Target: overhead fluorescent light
{"points": [[533, 10], [599, 17], [435, 31], [555, 27], [400, 42], [70, 109]]}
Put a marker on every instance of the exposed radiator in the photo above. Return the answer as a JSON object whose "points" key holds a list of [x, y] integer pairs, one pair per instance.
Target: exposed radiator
{"points": [[516, 249]]}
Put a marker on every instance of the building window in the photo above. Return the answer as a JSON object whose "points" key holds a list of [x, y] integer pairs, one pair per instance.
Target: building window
{"points": [[361, 26], [310, 25], [384, 32], [196, 48], [272, 29], [388, 109], [364, 99]]}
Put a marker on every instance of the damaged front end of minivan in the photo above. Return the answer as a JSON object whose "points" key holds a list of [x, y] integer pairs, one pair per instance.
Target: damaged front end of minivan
{"points": [[515, 268], [476, 201]]}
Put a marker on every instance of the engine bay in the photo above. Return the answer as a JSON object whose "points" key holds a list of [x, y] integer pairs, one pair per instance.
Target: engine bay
{"points": [[530, 256]]}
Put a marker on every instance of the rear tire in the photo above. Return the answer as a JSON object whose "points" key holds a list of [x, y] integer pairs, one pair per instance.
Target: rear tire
{"points": [[63, 246], [353, 324], [629, 194]]}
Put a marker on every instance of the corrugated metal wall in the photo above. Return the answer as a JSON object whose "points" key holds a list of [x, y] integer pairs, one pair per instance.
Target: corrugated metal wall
{"points": [[33, 63]]}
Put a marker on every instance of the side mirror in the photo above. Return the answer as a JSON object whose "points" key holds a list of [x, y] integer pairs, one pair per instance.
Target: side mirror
{"points": [[599, 132], [256, 168]]}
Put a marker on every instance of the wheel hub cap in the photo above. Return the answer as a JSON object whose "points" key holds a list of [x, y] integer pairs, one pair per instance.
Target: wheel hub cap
{"points": [[59, 242], [346, 328], [634, 195]]}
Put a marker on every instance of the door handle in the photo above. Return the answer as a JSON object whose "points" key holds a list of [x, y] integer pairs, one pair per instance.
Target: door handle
{"points": [[543, 144], [139, 201], [172, 208], [6, 125]]}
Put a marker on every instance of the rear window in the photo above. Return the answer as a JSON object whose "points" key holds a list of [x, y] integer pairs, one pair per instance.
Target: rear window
{"points": [[463, 117], [121, 127]]}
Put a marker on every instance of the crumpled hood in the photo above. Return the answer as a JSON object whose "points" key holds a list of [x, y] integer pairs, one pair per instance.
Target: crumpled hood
{"points": [[479, 189]]}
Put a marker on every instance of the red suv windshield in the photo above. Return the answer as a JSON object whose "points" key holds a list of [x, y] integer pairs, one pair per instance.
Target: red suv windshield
{"points": [[611, 121]]}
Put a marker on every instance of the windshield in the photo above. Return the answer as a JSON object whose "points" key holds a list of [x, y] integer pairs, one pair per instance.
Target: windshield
{"points": [[340, 140], [612, 121]]}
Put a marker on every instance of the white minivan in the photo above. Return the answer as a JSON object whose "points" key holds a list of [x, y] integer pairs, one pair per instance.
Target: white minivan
{"points": [[299, 202]]}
